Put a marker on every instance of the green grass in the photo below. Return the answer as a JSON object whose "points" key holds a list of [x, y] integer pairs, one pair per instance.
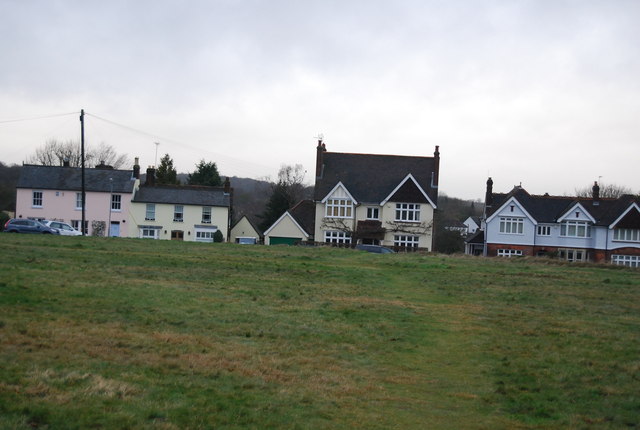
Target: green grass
{"points": [[118, 333]]}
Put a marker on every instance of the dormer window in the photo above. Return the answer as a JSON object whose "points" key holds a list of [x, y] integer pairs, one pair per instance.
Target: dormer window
{"points": [[339, 208]]}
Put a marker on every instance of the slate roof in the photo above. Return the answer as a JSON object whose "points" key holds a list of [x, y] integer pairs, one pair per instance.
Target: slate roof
{"points": [[477, 237], [70, 178], [304, 212], [182, 195], [370, 178], [547, 209]]}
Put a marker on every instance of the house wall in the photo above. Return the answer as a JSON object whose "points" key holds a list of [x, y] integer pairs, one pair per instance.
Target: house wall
{"points": [[192, 216], [243, 229], [286, 227], [493, 234], [61, 206], [386, 217]]}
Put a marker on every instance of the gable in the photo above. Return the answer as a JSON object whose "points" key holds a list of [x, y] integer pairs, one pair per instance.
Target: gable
{"points": [[630, 218], [286, 225], [408, 191], [512, 208], [339, 192], [577, 212]]}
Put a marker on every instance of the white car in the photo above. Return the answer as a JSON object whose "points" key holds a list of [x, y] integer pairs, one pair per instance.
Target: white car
{"points": [[64, 228]]}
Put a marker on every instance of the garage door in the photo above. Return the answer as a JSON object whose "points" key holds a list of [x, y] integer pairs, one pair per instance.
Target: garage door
{"points": [[275, 240]]}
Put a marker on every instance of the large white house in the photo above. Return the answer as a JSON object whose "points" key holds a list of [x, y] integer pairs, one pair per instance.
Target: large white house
{"points": [[573, 228], [375, 199]]}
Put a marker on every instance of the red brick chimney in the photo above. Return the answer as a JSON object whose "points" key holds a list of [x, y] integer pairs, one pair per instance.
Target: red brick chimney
{"points": [[488, 197], [320, 150], [595, 193], [150, 180], [136, 169], [227, 186], [436, 167]]}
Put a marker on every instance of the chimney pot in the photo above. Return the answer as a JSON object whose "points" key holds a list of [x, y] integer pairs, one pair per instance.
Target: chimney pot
{"points": [[150, 180]]}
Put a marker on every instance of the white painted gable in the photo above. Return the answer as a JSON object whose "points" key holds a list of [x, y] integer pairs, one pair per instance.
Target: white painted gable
{"points": [[338, 192], [512, 208], [577, 213]]}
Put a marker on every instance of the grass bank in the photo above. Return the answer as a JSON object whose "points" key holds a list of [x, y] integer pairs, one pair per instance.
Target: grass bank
{"points": [[108, 333]]}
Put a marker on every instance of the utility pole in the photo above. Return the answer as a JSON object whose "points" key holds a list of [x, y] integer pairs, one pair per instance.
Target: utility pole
{"points": [[82, 168]]}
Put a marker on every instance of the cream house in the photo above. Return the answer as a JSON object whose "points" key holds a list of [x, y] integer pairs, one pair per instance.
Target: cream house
{"points": [[375, 199], [180, 212]]}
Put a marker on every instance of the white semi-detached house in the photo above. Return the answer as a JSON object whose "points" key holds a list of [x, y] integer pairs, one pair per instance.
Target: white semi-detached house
{"points": [[573, 228], [180, 212]]}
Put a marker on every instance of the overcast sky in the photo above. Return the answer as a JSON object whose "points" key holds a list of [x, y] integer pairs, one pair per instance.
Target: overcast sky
{"points": [[543, 93]]}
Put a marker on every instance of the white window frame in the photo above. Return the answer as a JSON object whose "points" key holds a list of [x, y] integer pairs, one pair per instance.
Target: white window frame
{"points": [[626, 260], [150, 212], [572, 229], [573, 255], [373, 213], [626, 234], [511, 225], [406, 240], [178, 213], [332, 236], [37, 198], [509, 253], [78, 201], [149, 233], [204, 234], [407, 212], [206, 215], [543, 230], [116, 202], [339, 208]]}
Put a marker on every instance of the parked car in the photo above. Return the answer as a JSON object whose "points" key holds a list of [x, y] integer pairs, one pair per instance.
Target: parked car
{"points": [[63, 228], [19, 225], [376, 249]]}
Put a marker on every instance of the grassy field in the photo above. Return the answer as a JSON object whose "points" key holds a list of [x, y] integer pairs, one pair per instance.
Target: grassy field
{"points": [[108, 333]]}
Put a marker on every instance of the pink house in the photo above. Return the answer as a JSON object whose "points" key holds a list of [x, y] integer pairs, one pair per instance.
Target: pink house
{"points": [[55, 193]]}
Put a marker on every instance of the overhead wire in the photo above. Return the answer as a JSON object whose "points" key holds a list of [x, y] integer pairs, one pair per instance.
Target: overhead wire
{"points": [[37, 117]]}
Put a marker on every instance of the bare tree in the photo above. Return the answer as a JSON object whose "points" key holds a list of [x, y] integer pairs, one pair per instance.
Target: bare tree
{"points": [[55, 153], [605, 191]]}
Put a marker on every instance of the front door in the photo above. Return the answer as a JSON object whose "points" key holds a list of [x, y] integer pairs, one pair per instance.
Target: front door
{"points": [[114, 229], [177, 235]]}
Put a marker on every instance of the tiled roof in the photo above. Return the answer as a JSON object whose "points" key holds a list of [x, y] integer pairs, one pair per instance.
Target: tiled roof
{"points": [[371, 178], [70, 178], [182, 195], [305, 215], [547, 209]]}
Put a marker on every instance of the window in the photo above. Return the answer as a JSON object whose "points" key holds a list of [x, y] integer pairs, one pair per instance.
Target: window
{"points": [[205, 235], [409, 212], [627, 234], [337, 237], [150, 214], [544, 230], [149, 233], [575, 229], [116, 202], [178, 213], [75, 223], [573, 254], [406, 241], [626, 260], [339, 208], [511, 225], [206, 215], [79, 201], [509, 253], [373, 213], [37, 199]]}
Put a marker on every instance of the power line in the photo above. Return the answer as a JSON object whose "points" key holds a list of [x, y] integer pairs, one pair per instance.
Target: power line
{"points": [[33, 118]]}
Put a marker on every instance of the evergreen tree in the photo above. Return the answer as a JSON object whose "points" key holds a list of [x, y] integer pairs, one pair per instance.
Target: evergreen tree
{"points": [[278, 203], [166, 173], [205, 174]]}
